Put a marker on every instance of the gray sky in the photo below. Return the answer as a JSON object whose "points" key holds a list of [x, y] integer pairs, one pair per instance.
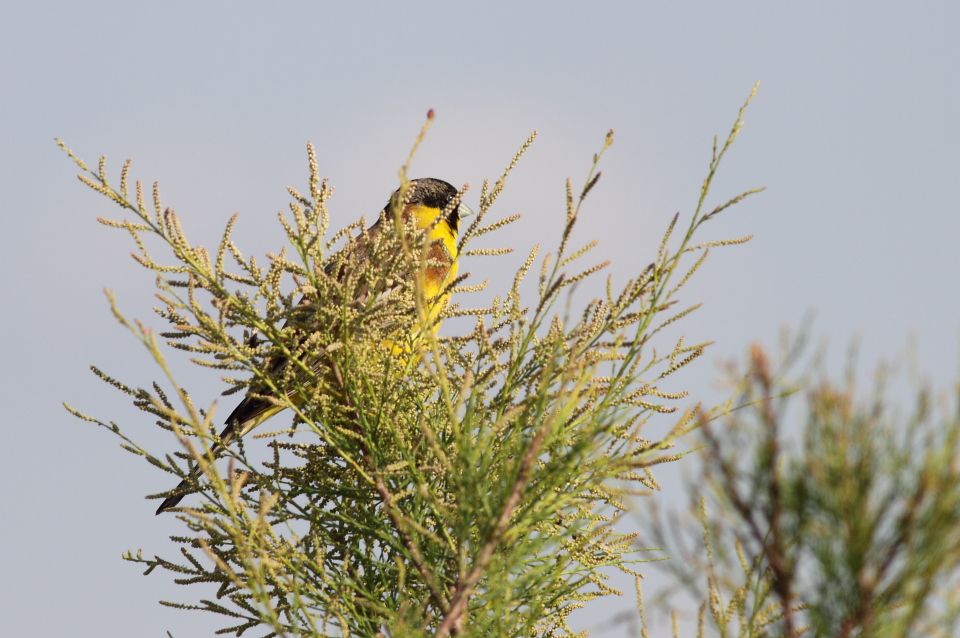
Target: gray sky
{"points": [[854, 133]]}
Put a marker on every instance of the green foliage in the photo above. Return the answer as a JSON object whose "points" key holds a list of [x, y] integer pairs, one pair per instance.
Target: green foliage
{"points": [[428, 485], [856, 533]]}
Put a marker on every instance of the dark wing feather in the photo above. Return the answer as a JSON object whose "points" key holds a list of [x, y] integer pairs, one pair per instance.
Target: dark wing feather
{"points": [[254, 407]]}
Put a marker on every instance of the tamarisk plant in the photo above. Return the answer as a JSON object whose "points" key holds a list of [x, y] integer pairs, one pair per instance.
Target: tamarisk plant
{"points": [[429, 485], [852, 530]]}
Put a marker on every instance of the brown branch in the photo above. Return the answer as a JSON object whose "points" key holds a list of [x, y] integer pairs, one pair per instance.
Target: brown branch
{"points": [[868, 598], [782, 582], [453, 621], [773, 551], [410, 544], [392, 510]]}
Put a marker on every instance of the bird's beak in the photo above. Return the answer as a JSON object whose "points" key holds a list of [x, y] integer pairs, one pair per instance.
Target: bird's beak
{"points": [[464, 211]]}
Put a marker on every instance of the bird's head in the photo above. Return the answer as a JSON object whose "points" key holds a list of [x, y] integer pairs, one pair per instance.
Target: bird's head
{"points": [[427, 198]]}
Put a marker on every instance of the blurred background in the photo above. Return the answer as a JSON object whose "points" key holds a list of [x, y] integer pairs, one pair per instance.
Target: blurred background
{"points": [[853, 132]]}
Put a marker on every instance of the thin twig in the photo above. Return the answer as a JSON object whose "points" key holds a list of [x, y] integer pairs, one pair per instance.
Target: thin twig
{"points": [[453, 620]]}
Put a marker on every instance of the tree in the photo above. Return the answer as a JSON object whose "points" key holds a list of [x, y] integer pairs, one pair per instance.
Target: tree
{"points": [[462, 484], [854, 530]]}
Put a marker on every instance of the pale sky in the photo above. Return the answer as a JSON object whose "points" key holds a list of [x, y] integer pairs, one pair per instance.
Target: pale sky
{"points": [[854, 133]]}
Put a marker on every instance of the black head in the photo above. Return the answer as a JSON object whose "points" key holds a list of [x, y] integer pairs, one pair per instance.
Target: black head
{"points": [[431, 192], [435, 193]]}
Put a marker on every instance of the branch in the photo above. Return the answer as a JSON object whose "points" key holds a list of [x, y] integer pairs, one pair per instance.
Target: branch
{"points": [[411, 546], [453, 620]]}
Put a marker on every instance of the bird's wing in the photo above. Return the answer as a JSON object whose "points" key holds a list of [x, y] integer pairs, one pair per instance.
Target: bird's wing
{"points": [[254, 410]]}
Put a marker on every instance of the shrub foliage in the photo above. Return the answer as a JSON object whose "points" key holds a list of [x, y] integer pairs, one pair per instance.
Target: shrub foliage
{"points": [[428, 485]]}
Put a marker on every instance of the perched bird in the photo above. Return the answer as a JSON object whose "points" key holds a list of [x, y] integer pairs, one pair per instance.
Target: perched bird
{"points": [[423, 203]]}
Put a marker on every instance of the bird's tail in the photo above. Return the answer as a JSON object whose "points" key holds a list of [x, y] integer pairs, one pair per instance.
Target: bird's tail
{"points": [[249, 414], [182, 489]]}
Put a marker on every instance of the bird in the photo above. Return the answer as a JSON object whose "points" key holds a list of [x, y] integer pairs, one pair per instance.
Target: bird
{"points": [[422, 202]]}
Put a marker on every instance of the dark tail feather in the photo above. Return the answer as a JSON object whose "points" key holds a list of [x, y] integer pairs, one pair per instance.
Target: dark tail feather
{"points": [[171, 501], [248, 408]]}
